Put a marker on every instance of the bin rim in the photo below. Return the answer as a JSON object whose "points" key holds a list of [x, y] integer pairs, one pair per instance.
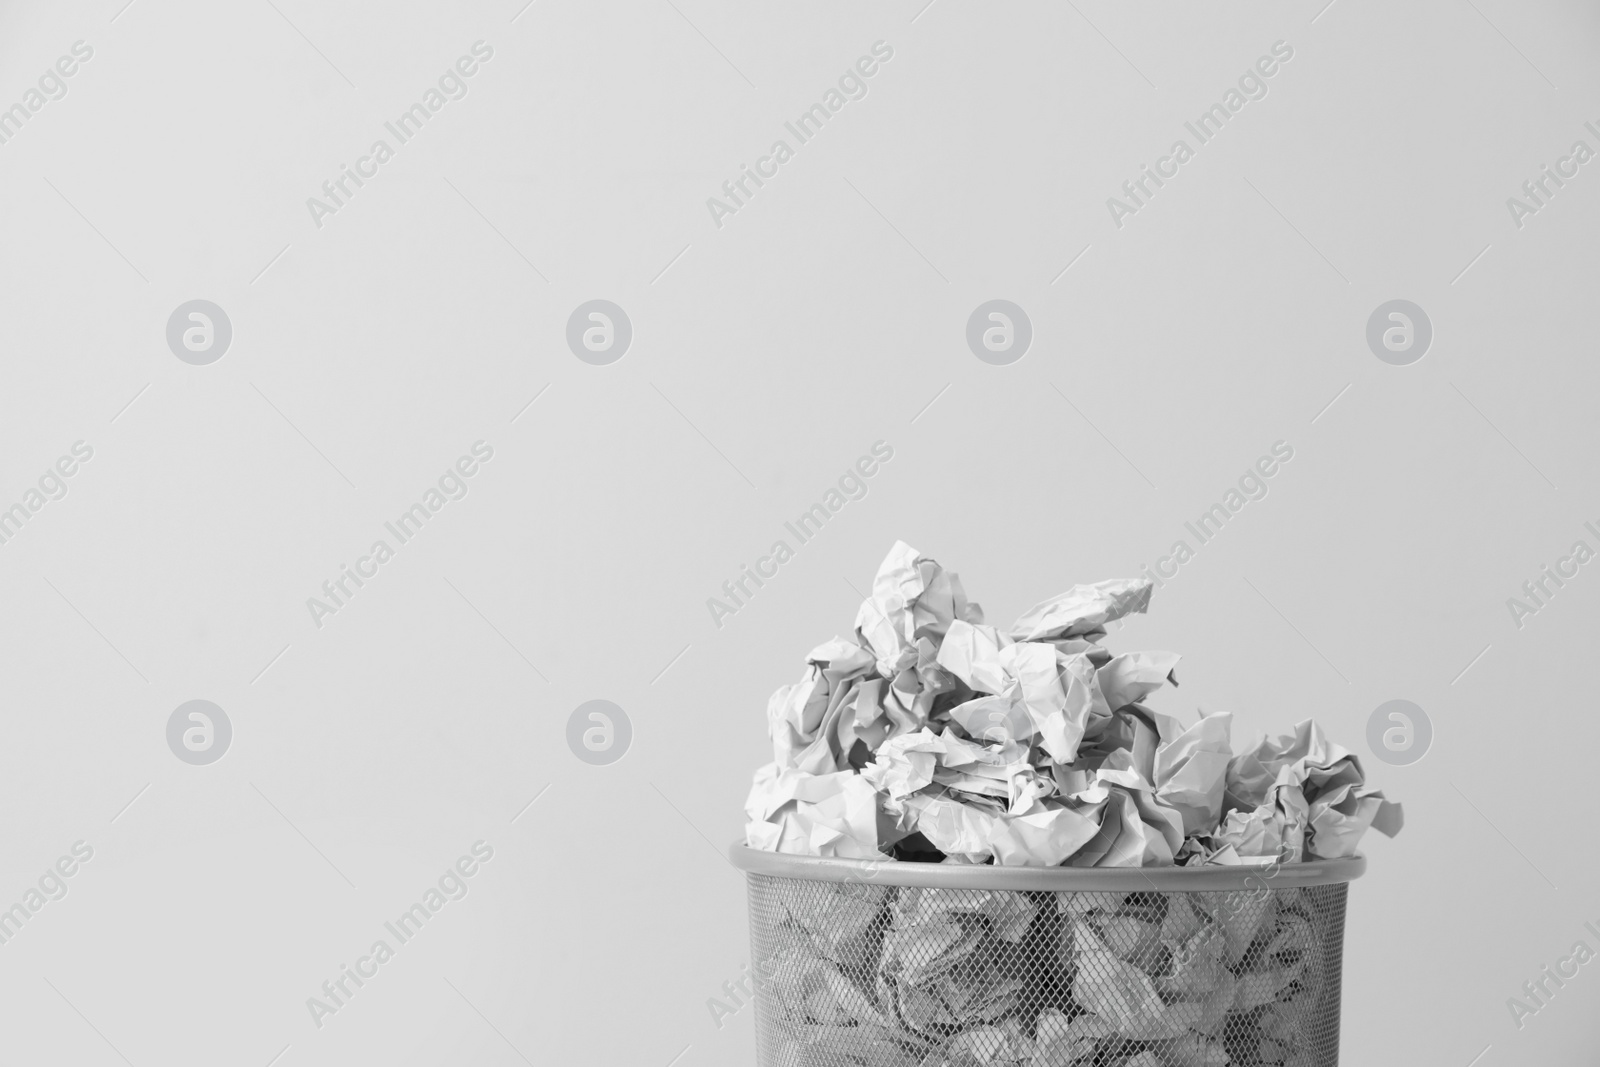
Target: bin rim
{"points": [[1212, 878]]}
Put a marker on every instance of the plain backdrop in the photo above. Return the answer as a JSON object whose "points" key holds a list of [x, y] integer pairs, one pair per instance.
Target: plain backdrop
{"points": [[374, 346]]}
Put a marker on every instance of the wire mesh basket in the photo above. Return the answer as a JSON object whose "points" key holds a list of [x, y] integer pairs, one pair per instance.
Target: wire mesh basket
{"points": [[897, 964]]}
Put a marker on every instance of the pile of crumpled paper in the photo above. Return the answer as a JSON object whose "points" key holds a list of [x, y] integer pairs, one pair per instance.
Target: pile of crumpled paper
{"points": [[929, 735]]}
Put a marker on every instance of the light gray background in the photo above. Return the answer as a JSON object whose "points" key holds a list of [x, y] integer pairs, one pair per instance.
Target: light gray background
{"points": [[370, 353]]}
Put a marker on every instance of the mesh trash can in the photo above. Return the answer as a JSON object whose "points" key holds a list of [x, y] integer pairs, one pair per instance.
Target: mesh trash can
{"points": [[894, 964]]}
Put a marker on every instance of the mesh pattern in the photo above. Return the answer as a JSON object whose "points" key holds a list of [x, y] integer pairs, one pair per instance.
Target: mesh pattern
{"points": [[861, 975]]}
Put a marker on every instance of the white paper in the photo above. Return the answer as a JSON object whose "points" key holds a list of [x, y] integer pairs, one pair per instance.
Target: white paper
{"points": [[927, 729]]}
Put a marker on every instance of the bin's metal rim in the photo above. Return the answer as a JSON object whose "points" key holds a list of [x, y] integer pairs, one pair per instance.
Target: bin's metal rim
{"points": [[1209, 879]]}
